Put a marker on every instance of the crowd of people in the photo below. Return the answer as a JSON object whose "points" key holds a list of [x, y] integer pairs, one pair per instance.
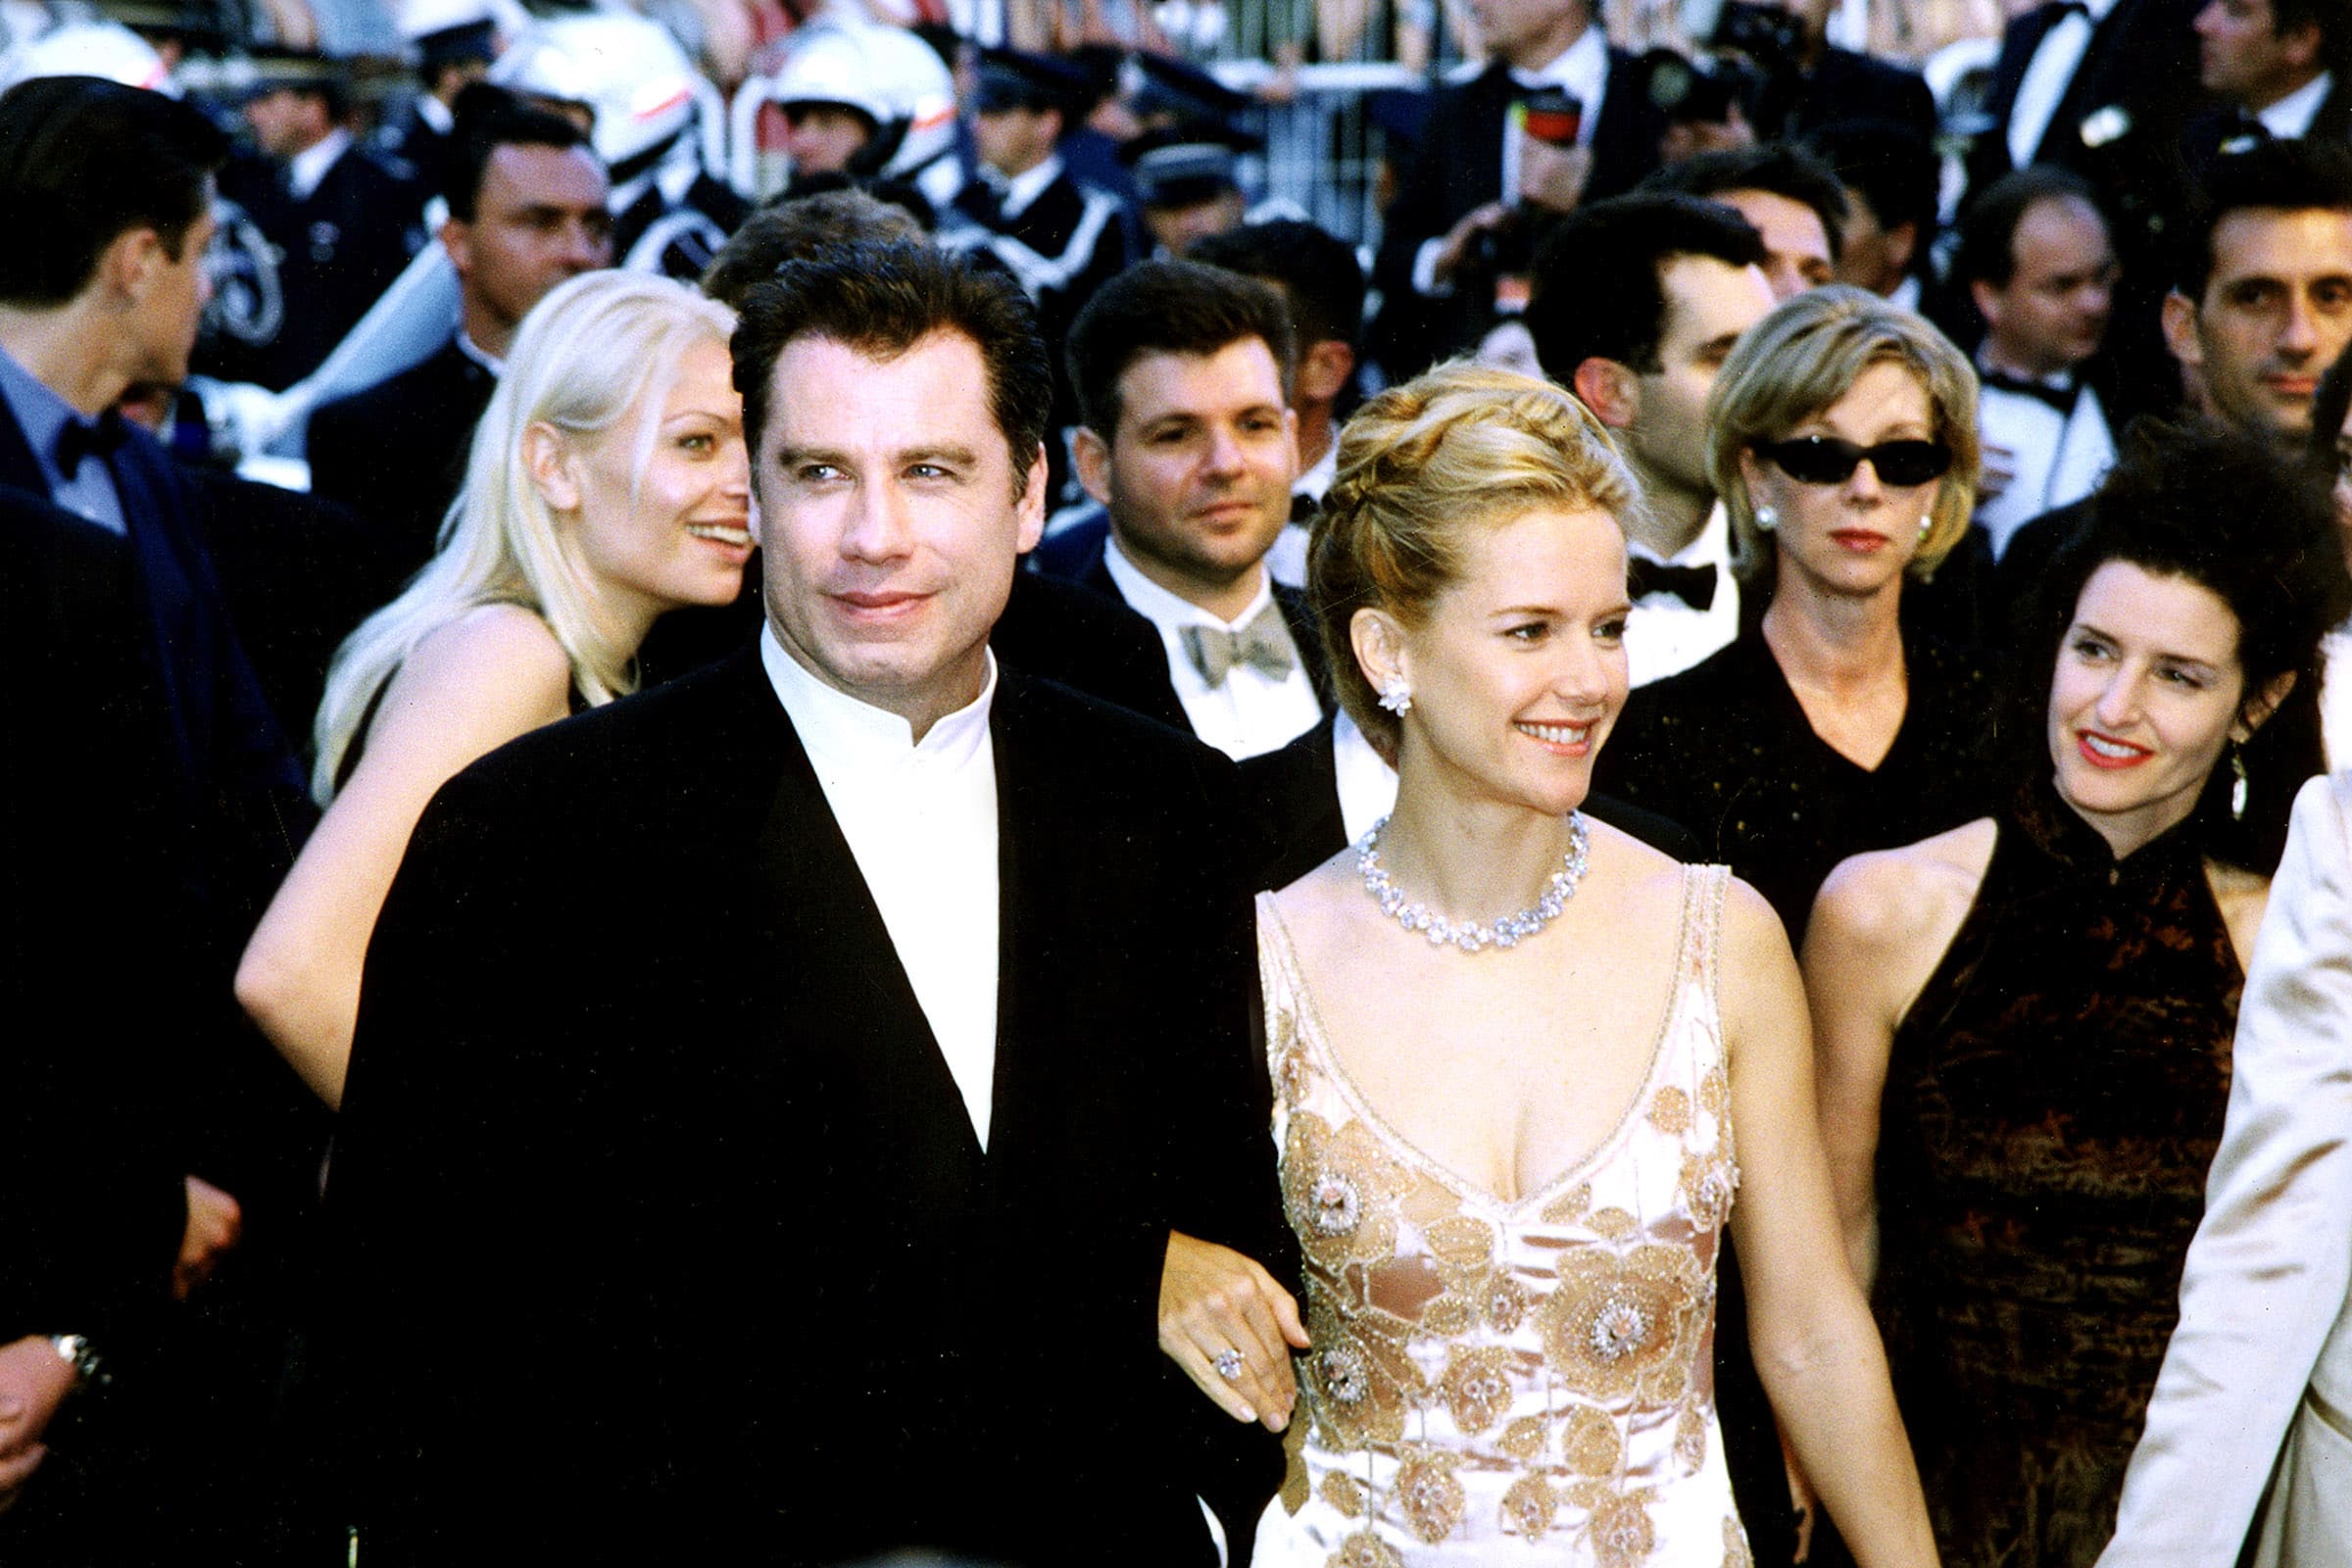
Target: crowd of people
{"points": [[1009, 860]]}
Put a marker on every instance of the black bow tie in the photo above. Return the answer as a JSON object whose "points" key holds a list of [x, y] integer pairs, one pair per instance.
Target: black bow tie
{"points": [[96, 439], [1304, 507], [1692, 585], [2061, 398]]}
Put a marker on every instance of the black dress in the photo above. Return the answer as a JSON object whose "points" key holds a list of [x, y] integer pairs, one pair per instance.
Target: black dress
{"points": [[2053, 1100], [1725, 748]]}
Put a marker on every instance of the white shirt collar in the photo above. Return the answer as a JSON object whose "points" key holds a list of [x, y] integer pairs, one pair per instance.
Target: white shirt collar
{"points": [[841, 732], [480, 354], [307, 168], [435, 113], [1582, 67], [1027, 186], [1711, 547], [1165, 609], [2292, 115], [1317, 479]]}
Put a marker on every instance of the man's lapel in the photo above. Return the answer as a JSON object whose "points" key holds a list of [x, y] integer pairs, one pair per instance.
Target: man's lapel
{"points": [[841, 1003]]}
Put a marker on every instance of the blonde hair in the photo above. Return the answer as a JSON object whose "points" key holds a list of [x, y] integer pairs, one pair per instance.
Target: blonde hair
{"points": [[589, 351], [1461, 446], [1805, 356]]}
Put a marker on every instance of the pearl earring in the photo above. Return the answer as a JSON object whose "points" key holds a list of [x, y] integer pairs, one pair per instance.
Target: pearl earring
{"points": [[1395, 696], [1927, 526], [1768, 517]]}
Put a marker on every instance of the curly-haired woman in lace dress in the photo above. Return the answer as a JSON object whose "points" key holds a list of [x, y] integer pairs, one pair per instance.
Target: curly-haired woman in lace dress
{"points": [[1510, 1049]]}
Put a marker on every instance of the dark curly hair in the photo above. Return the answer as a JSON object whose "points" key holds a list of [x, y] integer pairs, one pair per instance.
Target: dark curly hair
{"points": [[2216, 507]]}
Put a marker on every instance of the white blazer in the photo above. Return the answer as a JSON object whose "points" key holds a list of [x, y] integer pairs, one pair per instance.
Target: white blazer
{"points": [[2264, 1351]]}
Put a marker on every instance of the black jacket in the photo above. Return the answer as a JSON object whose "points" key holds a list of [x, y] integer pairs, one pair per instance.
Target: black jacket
{"points": [[678, 1246], [396, 453]]}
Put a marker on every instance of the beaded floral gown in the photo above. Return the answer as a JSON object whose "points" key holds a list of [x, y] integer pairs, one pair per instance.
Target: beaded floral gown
{"points": [[1497, 1382]]}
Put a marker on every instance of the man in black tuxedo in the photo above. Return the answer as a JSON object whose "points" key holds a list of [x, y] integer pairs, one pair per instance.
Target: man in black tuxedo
{"points": [[1476, 185], [827, 1212], [1189, 444], [2281, 69], [526, 212], [342, 221], [150, 804]]}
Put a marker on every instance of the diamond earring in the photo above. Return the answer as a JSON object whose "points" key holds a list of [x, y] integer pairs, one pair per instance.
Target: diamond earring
{"points": [[1768, 517], [1927, 526], [1395, 696]]}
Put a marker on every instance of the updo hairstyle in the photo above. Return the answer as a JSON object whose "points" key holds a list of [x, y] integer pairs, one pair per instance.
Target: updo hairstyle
{"points": [[1460, 447], [1805, 356]]}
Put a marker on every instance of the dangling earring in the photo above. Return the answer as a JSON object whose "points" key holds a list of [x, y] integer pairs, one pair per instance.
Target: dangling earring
{"points": [[1395, 696], [2237, 787], [1768, 517]]}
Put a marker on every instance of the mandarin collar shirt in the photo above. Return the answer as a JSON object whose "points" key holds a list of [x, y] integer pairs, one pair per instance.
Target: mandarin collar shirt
{"points": [[1250, 711], [920, 817], [89, 490]]}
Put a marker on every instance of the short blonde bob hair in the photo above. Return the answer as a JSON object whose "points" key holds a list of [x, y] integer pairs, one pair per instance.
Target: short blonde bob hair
{"points": [[1458, 447], [1805, 356], [592, 350]]}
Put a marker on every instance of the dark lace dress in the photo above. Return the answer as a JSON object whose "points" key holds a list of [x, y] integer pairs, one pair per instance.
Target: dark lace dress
{"points": [[2053, 1100]]}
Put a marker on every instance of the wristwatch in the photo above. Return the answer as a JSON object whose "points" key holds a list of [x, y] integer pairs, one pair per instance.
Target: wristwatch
{"points": [[75, 1351]]}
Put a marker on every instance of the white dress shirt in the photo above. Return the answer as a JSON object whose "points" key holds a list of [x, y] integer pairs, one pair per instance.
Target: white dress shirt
{"points": [[1367, 784], [306, 168], [1287, 560], [1664, 635], [1023, 190], [2290, 118], [1250, 711], [2336, 698], [2047, 75], [1582, 71], [2057, 459], [921, 819]]}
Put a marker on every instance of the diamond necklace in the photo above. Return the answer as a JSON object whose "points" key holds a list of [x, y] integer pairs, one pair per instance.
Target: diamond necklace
{"points": [[1470, 935]]}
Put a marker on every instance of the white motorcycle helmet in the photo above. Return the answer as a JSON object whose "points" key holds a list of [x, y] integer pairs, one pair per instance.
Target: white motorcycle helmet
{"points": [[629, 73], [886, 74], [91, 48]]}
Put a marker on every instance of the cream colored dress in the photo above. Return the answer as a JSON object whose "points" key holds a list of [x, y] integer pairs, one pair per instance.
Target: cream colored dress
{"points": [[1495, 1382]]}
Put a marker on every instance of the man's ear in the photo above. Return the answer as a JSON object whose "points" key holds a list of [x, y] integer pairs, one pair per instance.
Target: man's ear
{"points": [[2256, 711], [2179, 321], [129, 265], [2299, 47], [1030, 508], [1090, 459], [1323, 370], [1610, 390], [457, 239], [1987, 299], [1902, 244]]}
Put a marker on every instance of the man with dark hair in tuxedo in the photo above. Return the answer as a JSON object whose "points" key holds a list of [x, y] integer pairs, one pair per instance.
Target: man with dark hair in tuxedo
{"points": [[2283, 68], [826, 1212], [1636, 303], [1189, 444], [151, 805], [1480, 180], [526, 212], [1788, 195]]}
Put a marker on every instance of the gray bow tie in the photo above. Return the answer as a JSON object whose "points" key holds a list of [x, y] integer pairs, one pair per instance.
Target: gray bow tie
{"points": [[1263, 644]]}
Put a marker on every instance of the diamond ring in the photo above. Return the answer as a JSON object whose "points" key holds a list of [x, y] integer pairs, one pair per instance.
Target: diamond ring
{"points": [[1229, 1365]]}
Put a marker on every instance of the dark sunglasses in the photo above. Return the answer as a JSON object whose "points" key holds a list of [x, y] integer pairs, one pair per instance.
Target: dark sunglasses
{"points": [[1826, 460]]}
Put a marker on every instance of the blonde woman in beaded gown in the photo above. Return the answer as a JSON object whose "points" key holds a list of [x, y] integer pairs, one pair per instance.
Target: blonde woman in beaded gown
{"points": [[1510, 1142]]}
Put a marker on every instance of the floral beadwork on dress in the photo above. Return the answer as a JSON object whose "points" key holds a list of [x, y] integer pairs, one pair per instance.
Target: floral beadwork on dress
{"points": [[1483, 1370]]}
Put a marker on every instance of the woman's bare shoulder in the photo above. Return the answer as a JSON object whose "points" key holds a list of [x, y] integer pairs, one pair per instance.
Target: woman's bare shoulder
{"points": [[507, 640], [1888, 898], [487, 676]]}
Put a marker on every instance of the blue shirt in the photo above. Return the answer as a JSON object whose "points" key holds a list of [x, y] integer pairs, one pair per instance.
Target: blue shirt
{"points": [[43, 416]]}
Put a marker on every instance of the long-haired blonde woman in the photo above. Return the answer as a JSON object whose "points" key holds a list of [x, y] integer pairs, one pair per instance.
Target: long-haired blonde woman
{"points": [[608, 483]]}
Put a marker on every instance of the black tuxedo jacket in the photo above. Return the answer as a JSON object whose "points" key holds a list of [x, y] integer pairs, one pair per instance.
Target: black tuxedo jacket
{"points": [[1456, 167], [1089, 572], [337, 248], [2230, 130], [396, 453], [661, 1231], [1296, 791]]}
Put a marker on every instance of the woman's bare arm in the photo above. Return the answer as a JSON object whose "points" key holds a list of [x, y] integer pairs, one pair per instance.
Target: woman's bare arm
{"points": [[1811, 1331], [468, 689]]}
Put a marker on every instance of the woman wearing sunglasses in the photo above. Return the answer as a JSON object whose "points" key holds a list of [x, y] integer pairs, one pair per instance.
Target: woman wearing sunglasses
{"points": [[1843, 441], [2023, 1024]]}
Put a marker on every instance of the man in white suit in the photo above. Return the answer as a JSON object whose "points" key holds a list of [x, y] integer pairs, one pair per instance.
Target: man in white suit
{"points": [[2263, 1356]]}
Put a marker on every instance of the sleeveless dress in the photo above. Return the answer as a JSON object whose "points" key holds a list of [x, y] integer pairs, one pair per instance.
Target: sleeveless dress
{"points": [[1497, 1381], [2053, 1100]]}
